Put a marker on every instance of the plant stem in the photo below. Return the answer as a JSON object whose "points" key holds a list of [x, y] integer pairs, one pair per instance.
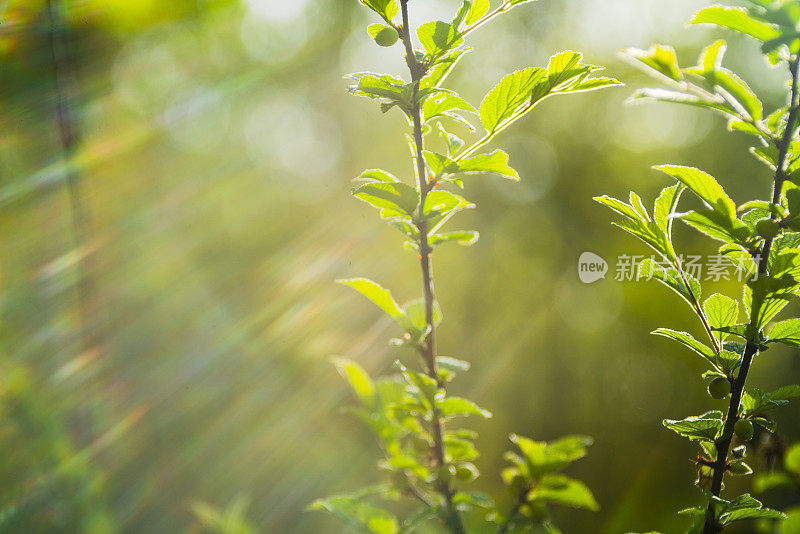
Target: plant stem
{"points": [[491, 135], [751, 349], [63, 86], [428, 348], [503, 528], [697, 307]]}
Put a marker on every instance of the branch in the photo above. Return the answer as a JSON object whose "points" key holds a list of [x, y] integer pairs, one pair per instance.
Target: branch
{"points": [[751, 349], [62, 85], [428, 349]]}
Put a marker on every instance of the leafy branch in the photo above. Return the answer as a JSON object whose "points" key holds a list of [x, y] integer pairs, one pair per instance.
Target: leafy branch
{"points": [[759, 237], [411, 412]]}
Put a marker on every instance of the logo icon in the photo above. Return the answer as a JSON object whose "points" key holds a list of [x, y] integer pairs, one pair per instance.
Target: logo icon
{"points": [[591, 267]]}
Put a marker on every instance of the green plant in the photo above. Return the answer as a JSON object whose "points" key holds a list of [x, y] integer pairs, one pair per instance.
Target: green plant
{"points": [[759, 237], [410, 412], [230, 520]]}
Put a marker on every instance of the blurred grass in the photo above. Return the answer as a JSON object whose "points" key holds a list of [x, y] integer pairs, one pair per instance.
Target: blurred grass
{"points": [[218, 147]]}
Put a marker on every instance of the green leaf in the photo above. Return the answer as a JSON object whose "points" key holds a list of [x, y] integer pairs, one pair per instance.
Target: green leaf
{"points": [[660, 59], [711, 57], [496, 162], [721, 311], [453, 142], [754, 401], [737, 19], [739, 90], [766, 297], [677, 97], [358, 515], [767, 481], [717, 226], [786, 332], [449, 367], [791, 461], [379, 296], [728, 361], [563, 490], [355, 375], [565, 66], [592, 84], [464, 239], [542, 457], [739, 469], [665, 206], [438, 37], [505, 98], [670, 277], [414, 320], [441, 69], [470, 12], [387, 9], [444, 104], [441, 205], [698, 427], [376, 175], [381, 86], [425, 385], [459, 449], [751, 513], [704, 186], [393, 199], [620, 207], [473, 499], [687, 340], [454, 406], [772, 426]]}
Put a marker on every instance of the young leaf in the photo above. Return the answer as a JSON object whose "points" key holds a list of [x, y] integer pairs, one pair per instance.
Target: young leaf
{"points": [[453, 406], [721, 311], [665, 205], [414, 318], [563, 490], [438, 37], [660, 59], [508, 95], [379, 296], [440, 206], [393, 199], [387, 9], [464, 239], [444, 104], [355, 375], [358, 515], [737, 19], [687, 340], [703, 185], [496, 163], [717, 226], [541, 457], [671, 278]]}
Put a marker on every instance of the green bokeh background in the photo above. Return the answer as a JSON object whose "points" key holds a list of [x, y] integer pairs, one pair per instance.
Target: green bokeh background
{"points": [[218, 145]]}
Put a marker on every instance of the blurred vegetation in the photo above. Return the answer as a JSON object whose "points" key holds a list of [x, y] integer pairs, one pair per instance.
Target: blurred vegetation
{"points": [[218, 145]]}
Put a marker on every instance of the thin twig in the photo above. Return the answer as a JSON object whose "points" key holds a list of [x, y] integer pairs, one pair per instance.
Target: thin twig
{"points": [[64, 92], [505, 525], [428, 349]]}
